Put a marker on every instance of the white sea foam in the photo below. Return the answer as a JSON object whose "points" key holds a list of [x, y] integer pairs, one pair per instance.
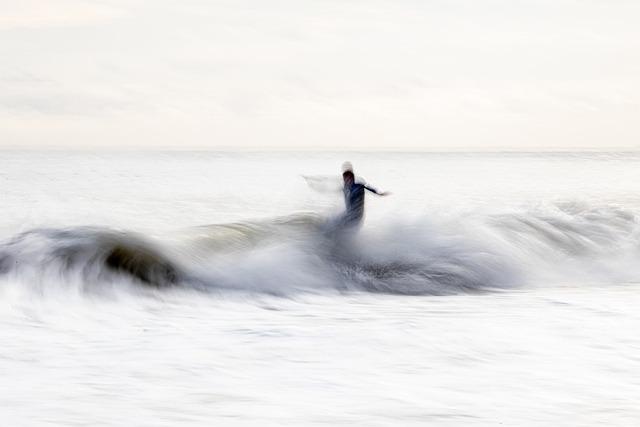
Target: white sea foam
{"points": [[292, 255]]}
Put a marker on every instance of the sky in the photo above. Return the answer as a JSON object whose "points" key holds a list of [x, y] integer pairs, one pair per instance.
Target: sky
{"points": [[320, 74]]}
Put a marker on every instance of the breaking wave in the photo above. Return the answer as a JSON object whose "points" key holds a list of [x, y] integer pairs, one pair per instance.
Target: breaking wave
{"points": [[285, 256]]}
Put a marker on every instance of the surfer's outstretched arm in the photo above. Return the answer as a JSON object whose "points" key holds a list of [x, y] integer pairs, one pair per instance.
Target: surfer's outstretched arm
{"points": [[376, 191], [323, 184]]}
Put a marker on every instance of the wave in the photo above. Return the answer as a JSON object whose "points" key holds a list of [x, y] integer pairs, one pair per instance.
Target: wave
{"points": [[283, 256]]}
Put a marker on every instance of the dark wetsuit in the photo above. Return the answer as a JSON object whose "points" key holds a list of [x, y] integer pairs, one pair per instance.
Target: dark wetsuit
{"points": [[354, 203]]}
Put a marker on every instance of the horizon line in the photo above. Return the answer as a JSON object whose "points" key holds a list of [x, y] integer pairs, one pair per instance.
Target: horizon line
{"points": [[284, 149]]}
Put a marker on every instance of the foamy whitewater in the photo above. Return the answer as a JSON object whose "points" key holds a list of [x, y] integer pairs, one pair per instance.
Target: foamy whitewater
{"points": [[201, 288]]}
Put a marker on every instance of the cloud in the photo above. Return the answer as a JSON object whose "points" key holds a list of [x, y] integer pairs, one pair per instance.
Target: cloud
{"points": [[58, 13], [472, 73]]}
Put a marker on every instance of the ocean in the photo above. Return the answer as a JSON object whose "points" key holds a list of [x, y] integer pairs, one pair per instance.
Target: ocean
{"points": [[172, 288]]}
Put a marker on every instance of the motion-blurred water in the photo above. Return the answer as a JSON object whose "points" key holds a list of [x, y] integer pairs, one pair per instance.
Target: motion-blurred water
{"points": [[487, 289]]}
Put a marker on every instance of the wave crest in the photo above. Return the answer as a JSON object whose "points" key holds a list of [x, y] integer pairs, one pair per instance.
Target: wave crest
{"points": [[471, 253]]}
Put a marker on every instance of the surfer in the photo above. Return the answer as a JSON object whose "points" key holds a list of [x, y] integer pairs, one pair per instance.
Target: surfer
{"points": [[354, 197]]}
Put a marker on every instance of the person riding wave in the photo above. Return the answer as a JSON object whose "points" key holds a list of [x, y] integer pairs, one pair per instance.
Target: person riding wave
{"points": [[354, 192]]}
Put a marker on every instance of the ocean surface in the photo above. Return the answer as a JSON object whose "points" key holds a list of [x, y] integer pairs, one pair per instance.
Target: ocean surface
{"points": [[204, 288]]}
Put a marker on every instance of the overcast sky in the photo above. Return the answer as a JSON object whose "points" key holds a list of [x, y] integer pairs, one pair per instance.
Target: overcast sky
{"points": [[346, 74]]}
